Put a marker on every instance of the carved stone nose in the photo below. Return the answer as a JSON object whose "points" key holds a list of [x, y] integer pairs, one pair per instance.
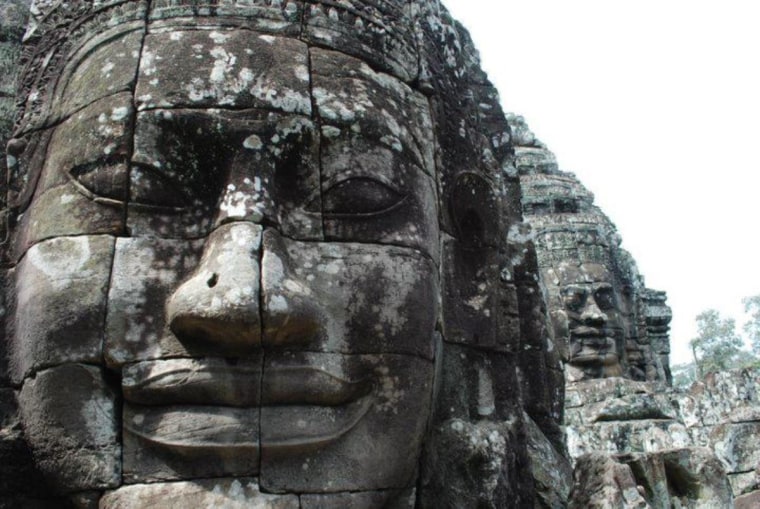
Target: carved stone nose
{"points": [[217, 309], [591, 313]]}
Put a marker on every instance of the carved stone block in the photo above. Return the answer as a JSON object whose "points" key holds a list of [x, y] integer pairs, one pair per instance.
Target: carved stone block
{"points": [[332, 422], [223, 67], [70, 420], [239, 493], [61, 284], [146, 272]]}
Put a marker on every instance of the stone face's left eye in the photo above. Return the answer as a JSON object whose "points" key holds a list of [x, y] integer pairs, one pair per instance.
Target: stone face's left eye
{"points": [[105, 180], [360, 196], [605, 298]]}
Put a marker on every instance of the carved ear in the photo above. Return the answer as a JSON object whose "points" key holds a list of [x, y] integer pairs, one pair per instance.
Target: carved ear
{"points": [[474, 211], [478, 308]]}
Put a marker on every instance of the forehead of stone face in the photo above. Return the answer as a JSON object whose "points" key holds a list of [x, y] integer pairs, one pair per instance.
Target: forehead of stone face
{"points": [[559, 193], [223, 67], [585, 273], [356, 101]]}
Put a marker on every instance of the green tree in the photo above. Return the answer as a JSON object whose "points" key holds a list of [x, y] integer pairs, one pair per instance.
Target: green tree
{"points": [[717, 346], [752, 327]]}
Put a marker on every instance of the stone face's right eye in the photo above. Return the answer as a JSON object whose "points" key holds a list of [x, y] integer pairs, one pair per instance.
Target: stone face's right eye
{"points": [[574, 300], [102, 180], [360, 195]]}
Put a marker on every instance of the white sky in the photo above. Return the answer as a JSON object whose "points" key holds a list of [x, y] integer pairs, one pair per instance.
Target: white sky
{"points": [[655, 105]]}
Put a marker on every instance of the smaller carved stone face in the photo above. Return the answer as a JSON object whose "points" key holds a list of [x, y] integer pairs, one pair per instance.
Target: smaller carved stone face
{"points": [[592, 304]]}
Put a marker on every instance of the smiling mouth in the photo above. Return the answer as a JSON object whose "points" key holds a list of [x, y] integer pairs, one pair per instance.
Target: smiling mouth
{"points": [[201, 407]]}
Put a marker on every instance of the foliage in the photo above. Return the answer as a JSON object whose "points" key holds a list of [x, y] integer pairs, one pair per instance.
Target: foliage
{"points": [[717, 346], [683, 375], [752, 327]]}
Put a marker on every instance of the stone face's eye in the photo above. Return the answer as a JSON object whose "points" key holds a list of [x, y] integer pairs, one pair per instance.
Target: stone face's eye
{"points": [[360, 196], [605, 298], [574, 300], [106, 180]]}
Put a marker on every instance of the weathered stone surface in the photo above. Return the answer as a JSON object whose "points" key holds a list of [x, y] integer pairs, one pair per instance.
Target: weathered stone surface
{"points": [[223, 67], [62, 285], [237, 493], [189, 442], [627, 408], [322, 297], [735, 445], [627, 436], [13, 16], [745, 482], [474, 464], [83, 182], [218, 305], [748, 501], [266, 16], [390, 499], [600, 482], [552, 472], [145, 272], [480, 308], [379, 32], [690, 477], [69, 416], [78, 53], [674, 478]]}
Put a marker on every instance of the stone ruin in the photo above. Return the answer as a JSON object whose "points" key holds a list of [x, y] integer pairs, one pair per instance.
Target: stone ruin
{"points": [[271, 253]]}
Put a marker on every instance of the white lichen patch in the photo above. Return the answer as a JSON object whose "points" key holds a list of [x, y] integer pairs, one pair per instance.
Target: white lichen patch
{"points": [[62, 258], [277, 304], [389, 393], [148, 63], [342, 106], [486, 400], [218, 37], [107, 68], [301, 72], [253, 142]]}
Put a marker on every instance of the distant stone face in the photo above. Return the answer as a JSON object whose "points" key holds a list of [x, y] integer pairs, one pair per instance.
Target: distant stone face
{"points": [[606, 322], [270, 252]]}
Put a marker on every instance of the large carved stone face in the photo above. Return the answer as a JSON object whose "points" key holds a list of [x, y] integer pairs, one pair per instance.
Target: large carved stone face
{"points": [[232, 272], [595, 327]]}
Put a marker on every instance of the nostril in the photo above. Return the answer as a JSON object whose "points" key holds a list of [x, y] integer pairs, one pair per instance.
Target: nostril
{"points": [[213, 280]]}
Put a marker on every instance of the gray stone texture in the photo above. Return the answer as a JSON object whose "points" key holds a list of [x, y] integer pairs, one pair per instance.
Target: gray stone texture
{"points": [[675, 478]]}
